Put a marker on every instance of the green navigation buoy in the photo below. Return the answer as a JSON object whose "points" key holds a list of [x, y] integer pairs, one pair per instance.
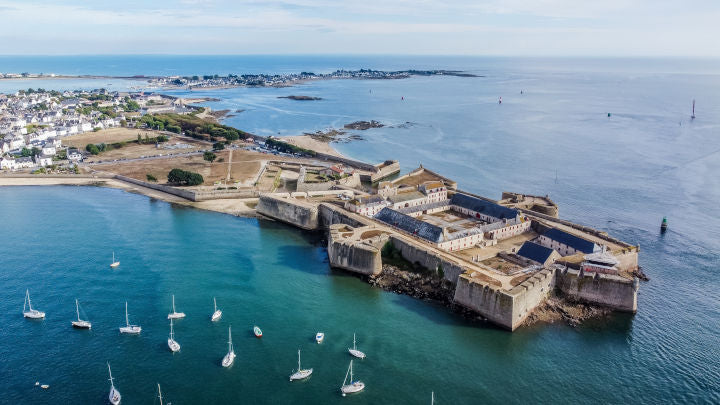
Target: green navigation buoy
{"points": [[663, 225], [609, 115]]}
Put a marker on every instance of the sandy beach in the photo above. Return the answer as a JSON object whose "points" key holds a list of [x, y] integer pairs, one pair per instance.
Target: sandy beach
{"points": [[307, 142]]}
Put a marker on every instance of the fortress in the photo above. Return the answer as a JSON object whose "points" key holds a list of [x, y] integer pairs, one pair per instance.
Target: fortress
{"points": [[503, 258]]}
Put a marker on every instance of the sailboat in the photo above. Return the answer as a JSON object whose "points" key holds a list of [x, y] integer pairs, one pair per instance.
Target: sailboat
{"points": [[693, 111], [174, 314], [354, 386], [80, 323], [217, 314], [300, 373], [30, 312], [229, 358], [114, 395], [172, 344], [114, 263], [131, 329], [355, 352]]}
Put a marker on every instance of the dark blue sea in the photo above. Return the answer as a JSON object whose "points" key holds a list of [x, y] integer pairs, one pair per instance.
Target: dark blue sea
{"points": [[610, 140]]}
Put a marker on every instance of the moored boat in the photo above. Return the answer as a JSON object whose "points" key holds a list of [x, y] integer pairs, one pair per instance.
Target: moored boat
{"points": [[174, 314], [129, 329], [80, 324], [257, 331], [319, 337], [217, 314], [300, 374], [28, 311], [355, 352], [229, 358], [172, 343], [114, 263], [114, 397], [353, 386]]}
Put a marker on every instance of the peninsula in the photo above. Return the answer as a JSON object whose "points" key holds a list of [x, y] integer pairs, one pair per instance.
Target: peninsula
{"points": [[503, 260]]}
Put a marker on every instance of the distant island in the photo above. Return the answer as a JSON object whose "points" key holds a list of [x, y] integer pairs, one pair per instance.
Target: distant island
{"points": [[301, 98]]}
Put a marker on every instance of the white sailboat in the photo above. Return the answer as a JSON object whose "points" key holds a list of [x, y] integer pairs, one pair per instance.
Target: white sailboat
{"points": [[80, 324], [300, 373], [229, 358], [355, 352], [114, 263], [174, 314], [217, 314], [114, 397], [28, 311], [354, 386], [131, 329], [172, 344]]}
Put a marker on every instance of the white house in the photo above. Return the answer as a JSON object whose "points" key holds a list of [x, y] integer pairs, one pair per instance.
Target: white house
{"points": [[74, 155], [49, 149], [8, 163], [86, 126], [43, 160], [24, 162]]}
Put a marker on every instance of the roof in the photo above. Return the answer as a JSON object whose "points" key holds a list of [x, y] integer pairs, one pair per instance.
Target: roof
{"points": [[483, 206], [406, 196], [573, 241], [410, 225], [428, 185], [535, 252]]}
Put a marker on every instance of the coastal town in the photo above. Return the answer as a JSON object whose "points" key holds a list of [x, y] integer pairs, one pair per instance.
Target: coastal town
{"points": [[499, 259]]}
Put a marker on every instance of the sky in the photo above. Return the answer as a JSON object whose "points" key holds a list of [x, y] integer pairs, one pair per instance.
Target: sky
{"points": [[424, 27]]}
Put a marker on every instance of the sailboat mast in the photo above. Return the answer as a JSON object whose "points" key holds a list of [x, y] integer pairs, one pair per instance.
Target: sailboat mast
{"points": [[77, 309], [159, 394], [351, 376], [215, 304], [299, 360], [127, 320], [171, 330], [354, 348], [173, 299], [29, 303], [111, 379], [229, 339], [27, 294]]}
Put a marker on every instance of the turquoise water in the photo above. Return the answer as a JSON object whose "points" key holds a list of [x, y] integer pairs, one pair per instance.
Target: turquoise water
{"points": [[621, 174]]}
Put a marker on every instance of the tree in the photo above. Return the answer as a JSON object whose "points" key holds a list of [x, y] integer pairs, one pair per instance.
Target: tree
{"points": [[184, 178], [209, 156], [150, 177], [139, 140], [219, 146], [92, 148]]}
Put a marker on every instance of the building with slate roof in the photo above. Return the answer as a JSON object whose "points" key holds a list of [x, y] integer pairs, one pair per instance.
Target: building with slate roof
{"points": [[565, 243], [538, 253], [482, 209]]}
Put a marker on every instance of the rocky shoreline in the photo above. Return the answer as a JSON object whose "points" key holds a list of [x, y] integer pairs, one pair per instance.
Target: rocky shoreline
{"points": [[429, 287]]}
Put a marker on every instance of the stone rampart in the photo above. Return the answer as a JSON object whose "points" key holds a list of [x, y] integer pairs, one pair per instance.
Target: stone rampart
{"points": [[186, 194], [602, 289], [347, 252], [294, 212], [330, 214], [489, 301], [414, 253]]}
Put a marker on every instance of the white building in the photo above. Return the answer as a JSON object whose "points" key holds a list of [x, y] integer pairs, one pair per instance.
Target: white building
{"points": [[7, 163], [43, 160]]}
